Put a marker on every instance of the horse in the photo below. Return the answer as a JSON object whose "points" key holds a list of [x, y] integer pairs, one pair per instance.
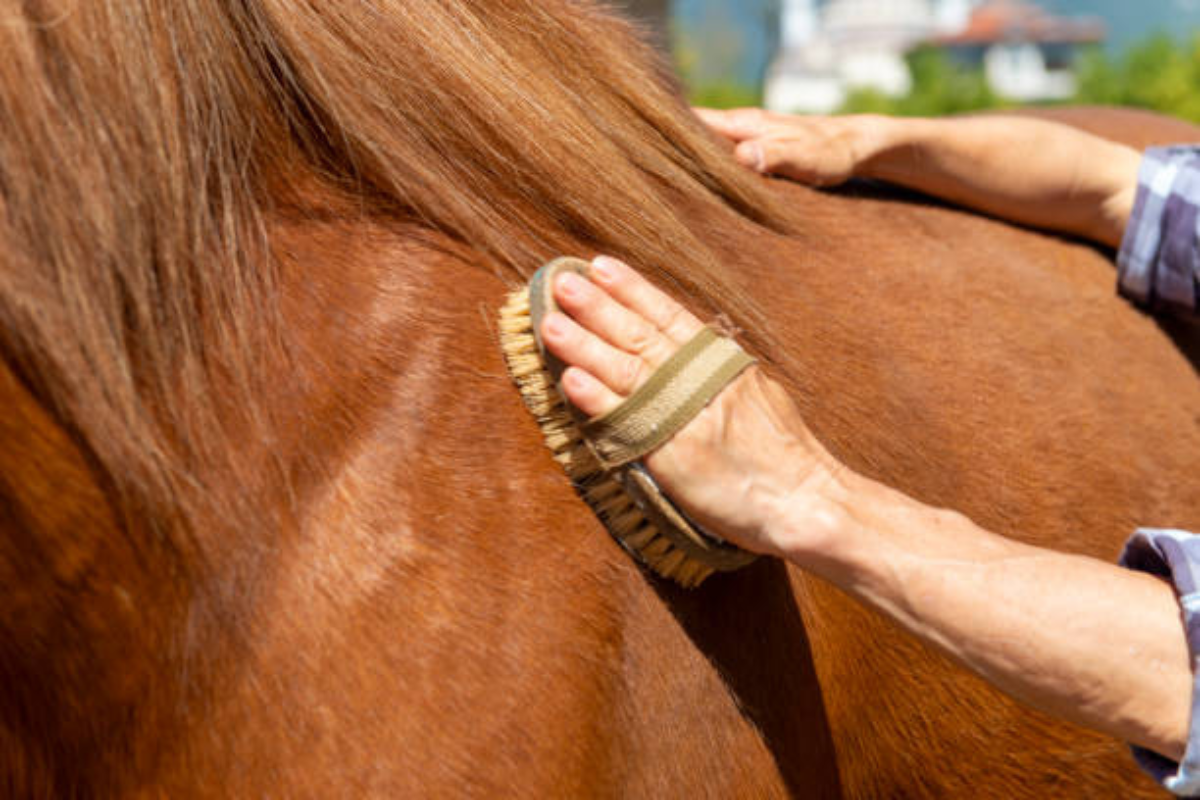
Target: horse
{"points": [[273, 520]]}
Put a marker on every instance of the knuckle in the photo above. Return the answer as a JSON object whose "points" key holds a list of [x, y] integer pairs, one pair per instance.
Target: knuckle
{"points": [[640, 338], [674, 318], [630, 374]]}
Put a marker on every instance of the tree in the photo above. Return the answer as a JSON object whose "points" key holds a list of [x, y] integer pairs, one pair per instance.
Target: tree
{"points": [[1158, 74], [940, 86]]}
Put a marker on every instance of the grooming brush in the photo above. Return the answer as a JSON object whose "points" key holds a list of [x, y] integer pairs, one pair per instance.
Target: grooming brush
{"points": [[602, 456]]}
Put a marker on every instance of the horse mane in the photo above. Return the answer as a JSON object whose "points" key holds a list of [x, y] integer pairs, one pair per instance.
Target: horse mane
{"points": [[146, 148]]}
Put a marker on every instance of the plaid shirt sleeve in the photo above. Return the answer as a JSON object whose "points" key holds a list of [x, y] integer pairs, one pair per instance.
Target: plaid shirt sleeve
{"points": [[1158, 266], [1174, 555]]}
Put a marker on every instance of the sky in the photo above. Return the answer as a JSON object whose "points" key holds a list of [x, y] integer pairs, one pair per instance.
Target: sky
{"points": [[1130, 20]]}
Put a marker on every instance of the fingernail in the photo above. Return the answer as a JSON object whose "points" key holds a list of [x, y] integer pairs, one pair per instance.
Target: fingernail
{"points": [[602, 269], [554, 326], [576, 379], [570, 284]]}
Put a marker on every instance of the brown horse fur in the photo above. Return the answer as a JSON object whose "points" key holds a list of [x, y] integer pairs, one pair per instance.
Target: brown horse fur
{"points": [[273, 521]]}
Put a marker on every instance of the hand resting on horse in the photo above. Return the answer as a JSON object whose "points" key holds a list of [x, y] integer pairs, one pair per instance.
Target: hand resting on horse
{"points": [[1035, 172]]}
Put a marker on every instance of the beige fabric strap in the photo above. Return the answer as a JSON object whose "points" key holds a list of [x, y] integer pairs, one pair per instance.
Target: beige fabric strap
{"points": [[674, 394]]}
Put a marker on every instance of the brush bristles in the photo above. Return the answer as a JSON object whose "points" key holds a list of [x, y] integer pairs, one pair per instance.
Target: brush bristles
{"points": [[624, 520]]}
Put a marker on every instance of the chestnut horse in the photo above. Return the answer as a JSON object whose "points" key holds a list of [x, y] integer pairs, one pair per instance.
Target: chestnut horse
{"points": [[273, 520]]}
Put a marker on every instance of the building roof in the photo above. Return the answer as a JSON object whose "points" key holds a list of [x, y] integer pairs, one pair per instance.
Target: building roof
{"points": [[1014, 20]]}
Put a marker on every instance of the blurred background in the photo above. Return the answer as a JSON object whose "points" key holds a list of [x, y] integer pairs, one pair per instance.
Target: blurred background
{"points": [[924, 57]]}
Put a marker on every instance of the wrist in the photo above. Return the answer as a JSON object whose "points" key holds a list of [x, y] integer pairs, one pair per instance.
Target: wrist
{"points": [[858, 533], [1121, 183], [813, 526], [882, 144]]}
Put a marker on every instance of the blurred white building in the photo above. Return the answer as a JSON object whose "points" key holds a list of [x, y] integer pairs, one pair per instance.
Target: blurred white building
{"points": [[1026, 53], [828, 50]]}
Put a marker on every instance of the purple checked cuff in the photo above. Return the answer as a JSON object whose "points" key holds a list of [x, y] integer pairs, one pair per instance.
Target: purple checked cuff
{"points": [[1158, 265], [1174, 555]]}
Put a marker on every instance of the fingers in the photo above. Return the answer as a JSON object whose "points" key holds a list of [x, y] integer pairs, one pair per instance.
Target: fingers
{"points": [[598, 312], [643, 298], [738, 124], [587, 393], [621, 372], [751, 154], [779, 156], [814, 150], [752, 129], [620, 329]]}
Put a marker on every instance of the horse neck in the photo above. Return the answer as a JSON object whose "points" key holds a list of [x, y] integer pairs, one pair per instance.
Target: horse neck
{"points": [[85, 615], [417, 479]]}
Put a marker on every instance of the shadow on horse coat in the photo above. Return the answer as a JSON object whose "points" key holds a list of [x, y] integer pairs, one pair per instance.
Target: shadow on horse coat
{"points": [[273, 521]]}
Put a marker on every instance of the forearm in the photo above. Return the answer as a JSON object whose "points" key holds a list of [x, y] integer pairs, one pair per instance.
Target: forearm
{"points": [[1085, 640], [1030, 171]]}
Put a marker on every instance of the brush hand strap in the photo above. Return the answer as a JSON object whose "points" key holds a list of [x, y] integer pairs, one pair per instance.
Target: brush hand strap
{"points": [[687, 536], [676, 392]]}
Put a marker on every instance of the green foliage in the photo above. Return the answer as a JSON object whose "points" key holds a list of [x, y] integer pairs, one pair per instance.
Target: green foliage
{"points": [[706, 74], [1159, 74], [939, 87], [724, 95]]}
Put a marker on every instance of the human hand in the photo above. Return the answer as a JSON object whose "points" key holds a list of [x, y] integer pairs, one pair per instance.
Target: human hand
{"points": [[1032, 171], [746, 468], [819, 151]]}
